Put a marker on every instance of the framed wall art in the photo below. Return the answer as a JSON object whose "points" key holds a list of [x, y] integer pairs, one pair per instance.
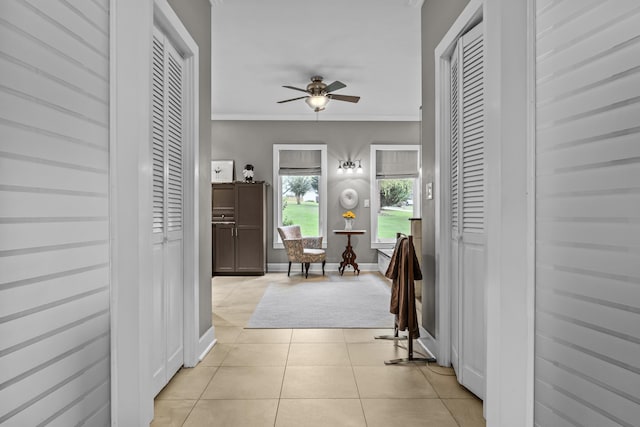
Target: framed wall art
{"points": [[222, 171]]}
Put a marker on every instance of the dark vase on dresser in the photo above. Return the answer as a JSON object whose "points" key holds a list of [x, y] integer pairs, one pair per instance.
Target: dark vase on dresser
{"points": [[238, 219]]}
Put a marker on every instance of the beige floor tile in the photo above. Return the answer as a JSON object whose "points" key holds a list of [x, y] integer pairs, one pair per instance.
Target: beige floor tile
{"points": [[216, 355], [317, 335], [318, 354], [171, 413], [366, 335], [245, 382], [320, 413], [233, 413], [244, 295], [188, 383], [392, 382], [218, 320], [227, 334], [232, 317], [243, 306], [445, 383], [264, 336], [407, 412], [257, 355], [374, 354], [319, 382], [467, 412]]}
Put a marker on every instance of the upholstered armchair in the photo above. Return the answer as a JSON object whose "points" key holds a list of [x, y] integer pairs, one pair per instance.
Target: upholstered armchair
{"points": [[304, 250]]}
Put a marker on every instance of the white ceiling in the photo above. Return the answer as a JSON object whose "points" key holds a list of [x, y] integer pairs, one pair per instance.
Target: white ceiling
{"points": [[373, 46]]}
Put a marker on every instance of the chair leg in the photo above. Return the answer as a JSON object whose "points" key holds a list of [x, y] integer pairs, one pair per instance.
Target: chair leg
{"points": [[289, 270], [302, 267], [306, 267], [323, 262]]}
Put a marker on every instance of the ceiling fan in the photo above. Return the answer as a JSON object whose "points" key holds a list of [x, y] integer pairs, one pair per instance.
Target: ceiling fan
{"points": [[319, 94]]}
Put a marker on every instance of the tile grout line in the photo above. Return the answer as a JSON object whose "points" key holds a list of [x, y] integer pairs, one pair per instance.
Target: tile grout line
{"points": [[284, 373], [353, 372]]}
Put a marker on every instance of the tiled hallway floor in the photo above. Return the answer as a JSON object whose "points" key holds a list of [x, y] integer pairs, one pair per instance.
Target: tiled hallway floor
{"points": [[306, 377]]}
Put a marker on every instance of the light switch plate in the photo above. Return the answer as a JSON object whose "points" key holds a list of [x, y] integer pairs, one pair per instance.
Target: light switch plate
{"points": [[429, 190], [366, 203]]}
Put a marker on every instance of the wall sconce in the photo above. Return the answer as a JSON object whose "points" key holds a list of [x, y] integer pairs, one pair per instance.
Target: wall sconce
{"points": [[348, 166]]}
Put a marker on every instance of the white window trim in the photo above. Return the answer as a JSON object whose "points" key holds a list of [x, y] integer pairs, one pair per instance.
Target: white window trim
{"points": [[277, 185], [417, 197]]}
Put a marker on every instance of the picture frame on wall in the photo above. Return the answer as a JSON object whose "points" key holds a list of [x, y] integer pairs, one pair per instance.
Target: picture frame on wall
{"points": [[222, 171]]}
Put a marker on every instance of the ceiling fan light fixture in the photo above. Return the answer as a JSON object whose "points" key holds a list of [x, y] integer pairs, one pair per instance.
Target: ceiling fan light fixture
{"points": [[317, 102]]}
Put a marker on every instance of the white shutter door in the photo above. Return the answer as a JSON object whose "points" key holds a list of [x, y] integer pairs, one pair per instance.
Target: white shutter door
{"points": [[587, 349], [455, 141], [173, 262], [468, 242], [158, 133], [174, 140], [472, 132], [158, 94], [454, 173], [54, 213], [167, 148]]}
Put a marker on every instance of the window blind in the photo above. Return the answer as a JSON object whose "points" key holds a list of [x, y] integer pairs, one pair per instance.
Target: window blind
{"points": [[397, 164], [300, 162]]}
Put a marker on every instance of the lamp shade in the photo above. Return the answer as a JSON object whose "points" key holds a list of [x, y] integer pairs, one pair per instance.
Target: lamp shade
{"points": [[317, 102]]}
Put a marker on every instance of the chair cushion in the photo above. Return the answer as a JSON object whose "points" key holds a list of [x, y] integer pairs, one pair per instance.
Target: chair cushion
{"points": [[308, 251], [313, 255]]}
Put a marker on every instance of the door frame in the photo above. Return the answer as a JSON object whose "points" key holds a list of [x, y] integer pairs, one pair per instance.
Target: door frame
{"points": [[470, 16], [131, 25]]}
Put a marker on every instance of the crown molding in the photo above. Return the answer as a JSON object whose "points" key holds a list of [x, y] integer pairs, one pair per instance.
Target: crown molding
{"points": [[216, 2], [415, 3]]}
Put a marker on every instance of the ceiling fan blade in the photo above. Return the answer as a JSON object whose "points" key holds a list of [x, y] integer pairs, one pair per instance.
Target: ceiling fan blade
{"points": [[292, 99], [347, 98], [296, 88], [334, 86]]}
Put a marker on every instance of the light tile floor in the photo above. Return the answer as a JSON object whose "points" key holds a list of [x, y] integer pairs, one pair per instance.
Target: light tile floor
{"points": [[306, 377]]}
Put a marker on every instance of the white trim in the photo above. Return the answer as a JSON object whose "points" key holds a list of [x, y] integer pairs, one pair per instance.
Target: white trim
{"points": [[322, 186], [166, 18], [469, 17], [280, 267], [131, 26], [508, 308], [206, 343], [417, 195], [313, 117], [130, 211]]}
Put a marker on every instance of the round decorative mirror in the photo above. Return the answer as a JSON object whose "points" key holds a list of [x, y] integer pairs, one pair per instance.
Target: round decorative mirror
{"points": [[349, 198]]}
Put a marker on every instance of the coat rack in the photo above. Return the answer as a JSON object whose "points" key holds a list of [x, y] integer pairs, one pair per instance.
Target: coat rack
{"points": [[410, 302]]}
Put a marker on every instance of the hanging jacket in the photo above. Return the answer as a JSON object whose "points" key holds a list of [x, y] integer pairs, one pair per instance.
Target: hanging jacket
{"points": [[403, 305]]}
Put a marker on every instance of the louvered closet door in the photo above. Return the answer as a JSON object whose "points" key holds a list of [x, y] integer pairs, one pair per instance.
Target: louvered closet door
{"points": [[468, 239], [454, 131], [54, 213], [587, 348], [167, 148]]}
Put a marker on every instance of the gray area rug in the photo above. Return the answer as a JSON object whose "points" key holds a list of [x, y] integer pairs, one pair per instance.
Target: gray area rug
{"points": [[349, 303]]}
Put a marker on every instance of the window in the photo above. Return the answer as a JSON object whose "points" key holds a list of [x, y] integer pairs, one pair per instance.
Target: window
{"points": [[300, 189], [395, 191]]}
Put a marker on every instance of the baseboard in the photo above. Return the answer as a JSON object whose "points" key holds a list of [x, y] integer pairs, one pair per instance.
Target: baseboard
{"points": [[206, 343], [280, 267], [428, 343]]}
